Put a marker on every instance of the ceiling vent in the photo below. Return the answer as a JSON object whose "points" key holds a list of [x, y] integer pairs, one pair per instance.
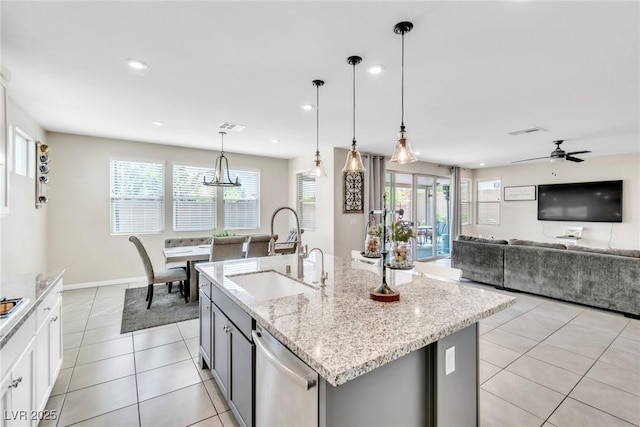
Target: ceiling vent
{"points": [[231, 126], [530, 130]]}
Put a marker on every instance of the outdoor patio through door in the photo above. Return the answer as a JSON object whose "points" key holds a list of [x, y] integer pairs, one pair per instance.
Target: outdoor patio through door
{"points": [[426, 203]]}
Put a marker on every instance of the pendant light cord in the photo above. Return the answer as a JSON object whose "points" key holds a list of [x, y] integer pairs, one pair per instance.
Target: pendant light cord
{"points": [[317, 118], [354, 103], [402, 84]]}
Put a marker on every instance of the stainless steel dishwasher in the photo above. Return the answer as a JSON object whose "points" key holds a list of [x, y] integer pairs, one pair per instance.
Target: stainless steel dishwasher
{"points": [[286, 388]]}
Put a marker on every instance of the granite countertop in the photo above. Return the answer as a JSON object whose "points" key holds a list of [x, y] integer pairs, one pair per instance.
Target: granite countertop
{"points": [[338, 330], [33, 288]]}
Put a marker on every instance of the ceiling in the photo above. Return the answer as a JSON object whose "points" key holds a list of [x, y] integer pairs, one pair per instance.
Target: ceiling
{"points": [[474, 71]]}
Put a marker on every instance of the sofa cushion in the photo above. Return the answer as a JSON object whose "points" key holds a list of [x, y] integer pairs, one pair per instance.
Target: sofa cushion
{"points": [[464, 238], [518, 242], [633, 253]]}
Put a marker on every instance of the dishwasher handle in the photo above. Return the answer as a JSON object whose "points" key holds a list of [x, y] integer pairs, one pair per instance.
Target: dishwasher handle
{"points": [[308, 382]]}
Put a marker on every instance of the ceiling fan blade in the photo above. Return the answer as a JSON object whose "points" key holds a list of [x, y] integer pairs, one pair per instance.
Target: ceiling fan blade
{"points": [[573, 159], [578, 152], [526, 160]]}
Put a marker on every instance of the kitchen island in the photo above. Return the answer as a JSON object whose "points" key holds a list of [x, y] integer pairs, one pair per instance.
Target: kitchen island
{"points": [[378, 363]]}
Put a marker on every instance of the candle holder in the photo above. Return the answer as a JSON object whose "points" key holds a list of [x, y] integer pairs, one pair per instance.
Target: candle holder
{"points": [[384, 292]]}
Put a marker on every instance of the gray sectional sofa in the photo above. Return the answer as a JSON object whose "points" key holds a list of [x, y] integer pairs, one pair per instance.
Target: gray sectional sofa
{"points": [[601, 278]]}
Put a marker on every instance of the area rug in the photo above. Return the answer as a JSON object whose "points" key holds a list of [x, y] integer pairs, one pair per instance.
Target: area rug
{"points": [[165, 308]]}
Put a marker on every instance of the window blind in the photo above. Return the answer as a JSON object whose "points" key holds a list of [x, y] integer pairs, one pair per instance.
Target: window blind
{"points": [[137, 197], [194, 204], [465, 201], [488, 194], [241, 204], [306, 200]]}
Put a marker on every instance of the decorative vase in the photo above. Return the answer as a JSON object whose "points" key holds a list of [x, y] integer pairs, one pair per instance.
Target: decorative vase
{"points": [[372, 247], [401, 256]]}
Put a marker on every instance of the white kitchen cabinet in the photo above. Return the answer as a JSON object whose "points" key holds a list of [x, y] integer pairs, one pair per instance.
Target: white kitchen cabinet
{"points": [[48, 352], [18, 405], [30, 362]]}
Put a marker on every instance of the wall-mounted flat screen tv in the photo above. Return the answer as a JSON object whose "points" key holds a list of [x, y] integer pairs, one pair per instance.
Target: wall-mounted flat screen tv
{"points": [[581, 201]]}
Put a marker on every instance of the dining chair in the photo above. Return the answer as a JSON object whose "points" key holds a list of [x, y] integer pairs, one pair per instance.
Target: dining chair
{"points": [[224, 248], [258, 245], [288, 246], [176, 242], [438, 271], [163, 276]]}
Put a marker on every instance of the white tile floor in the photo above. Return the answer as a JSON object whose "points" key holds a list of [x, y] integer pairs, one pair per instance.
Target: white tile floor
{"points": [[542, 363]]}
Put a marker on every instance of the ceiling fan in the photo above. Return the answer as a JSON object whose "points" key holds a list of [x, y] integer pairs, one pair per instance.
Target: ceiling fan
{"points": [[559, 155]]}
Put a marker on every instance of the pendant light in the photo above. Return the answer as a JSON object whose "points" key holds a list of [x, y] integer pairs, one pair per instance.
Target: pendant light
{"points": [[317, 169], [403, 153], [221, 176], [354, 161]]}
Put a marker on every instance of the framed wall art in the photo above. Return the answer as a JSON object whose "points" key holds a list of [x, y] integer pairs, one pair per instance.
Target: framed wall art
{"points": [[353, 185], [524, 192]]}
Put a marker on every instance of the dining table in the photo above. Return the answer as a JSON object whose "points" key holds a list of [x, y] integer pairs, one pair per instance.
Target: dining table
{"points": [[191, 255]]}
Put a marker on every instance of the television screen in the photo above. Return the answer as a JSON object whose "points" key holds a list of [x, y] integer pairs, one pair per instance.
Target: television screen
{"points": [[581, 201]]}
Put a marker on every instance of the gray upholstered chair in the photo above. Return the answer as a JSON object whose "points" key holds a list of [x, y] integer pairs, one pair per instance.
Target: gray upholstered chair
{"points": [[259, 245], [164, 276], [288, 246], [224, 248]]}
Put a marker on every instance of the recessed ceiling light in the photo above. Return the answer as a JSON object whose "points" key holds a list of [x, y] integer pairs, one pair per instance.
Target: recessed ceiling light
{"points": [[275, 141], [375, 69], [137, 65], [416, 152], [157, 123], [307, 107], [481, 164]]}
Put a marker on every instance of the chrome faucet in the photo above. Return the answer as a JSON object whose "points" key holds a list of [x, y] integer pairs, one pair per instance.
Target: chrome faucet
{"points": [[323, 275], [301, 252]]}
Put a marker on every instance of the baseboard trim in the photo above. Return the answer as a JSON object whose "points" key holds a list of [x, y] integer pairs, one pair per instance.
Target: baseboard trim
{"points": [[104, 283]]}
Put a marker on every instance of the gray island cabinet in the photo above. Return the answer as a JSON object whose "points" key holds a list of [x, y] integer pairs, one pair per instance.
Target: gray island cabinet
{"points": [[290, 353]]}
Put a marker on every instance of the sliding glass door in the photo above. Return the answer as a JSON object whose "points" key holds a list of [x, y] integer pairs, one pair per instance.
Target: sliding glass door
{"points": [[425, 203]]}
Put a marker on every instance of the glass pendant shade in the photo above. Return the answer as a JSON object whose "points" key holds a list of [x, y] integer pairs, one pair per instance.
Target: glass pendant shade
{"points": [[221, 176], [317, 169], [354, 161], [403, 153]]}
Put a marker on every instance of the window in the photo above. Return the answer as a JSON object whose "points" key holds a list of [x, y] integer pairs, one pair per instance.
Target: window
{"points": [[306, 200], [488, 201], [194, 204], [137, 197], [465, 200], [241, 204], [24, 155]]}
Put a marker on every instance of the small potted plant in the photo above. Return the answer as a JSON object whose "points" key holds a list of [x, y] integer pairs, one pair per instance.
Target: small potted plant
{"points": [[400, 235], [372, 242]]}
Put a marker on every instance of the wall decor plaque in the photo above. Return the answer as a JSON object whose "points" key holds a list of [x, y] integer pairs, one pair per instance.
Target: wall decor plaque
{"points": [[524, 192], [353, 185]]}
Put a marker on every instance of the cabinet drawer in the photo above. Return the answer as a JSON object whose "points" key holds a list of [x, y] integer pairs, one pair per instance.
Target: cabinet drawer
{"points": [[205, 285], [16, 345], [238, 316], [49, 302]]}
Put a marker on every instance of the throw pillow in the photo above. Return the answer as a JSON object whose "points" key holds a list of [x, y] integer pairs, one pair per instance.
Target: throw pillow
{"points": [[633, 253], [518, 242]]}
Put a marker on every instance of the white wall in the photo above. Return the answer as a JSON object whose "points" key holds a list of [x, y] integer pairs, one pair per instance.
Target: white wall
{"points": [[79, 237], [348, 228], [519, 218], [23, 230], [322, 236]]}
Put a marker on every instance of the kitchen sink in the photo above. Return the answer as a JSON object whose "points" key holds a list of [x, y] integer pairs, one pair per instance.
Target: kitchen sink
{"points": [[270, 284]]}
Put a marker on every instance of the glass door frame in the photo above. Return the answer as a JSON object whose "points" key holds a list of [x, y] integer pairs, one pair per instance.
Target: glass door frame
{"points": [[390, 182]]}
